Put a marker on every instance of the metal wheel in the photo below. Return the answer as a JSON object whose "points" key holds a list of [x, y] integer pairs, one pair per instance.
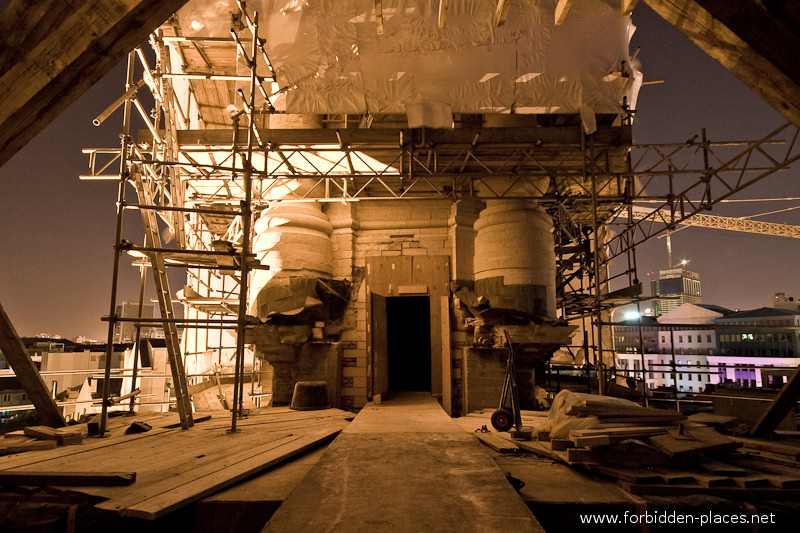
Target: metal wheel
{"points": [[502, 420]]}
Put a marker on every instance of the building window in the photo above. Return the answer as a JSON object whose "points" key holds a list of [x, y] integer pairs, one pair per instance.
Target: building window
{"points": [[680, 338], [663, 339], [708, 338], [690, 338]]}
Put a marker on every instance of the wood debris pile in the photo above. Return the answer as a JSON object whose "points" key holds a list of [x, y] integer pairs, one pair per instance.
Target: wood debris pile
{"points": [[42, 438], [653, 451]]}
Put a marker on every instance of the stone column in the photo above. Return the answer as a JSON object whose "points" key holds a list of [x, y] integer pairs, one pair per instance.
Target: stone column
{"points": [[461, 234]]}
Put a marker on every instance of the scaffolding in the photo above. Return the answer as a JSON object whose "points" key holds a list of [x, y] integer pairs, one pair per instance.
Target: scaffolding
{"points": [[199, 175]]}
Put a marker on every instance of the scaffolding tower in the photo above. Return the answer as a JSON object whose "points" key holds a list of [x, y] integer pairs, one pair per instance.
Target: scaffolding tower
{"points": [[199, 174]]}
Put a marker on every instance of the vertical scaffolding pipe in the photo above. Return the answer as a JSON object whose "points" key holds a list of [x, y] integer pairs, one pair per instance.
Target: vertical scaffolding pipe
{"points": [[123, 178], [598, 319], [246, 208], [137, 352], [674, 367], [641, 353]]}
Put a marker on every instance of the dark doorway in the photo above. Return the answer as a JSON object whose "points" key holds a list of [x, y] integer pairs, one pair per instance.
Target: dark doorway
{"points": [[409, 343]]}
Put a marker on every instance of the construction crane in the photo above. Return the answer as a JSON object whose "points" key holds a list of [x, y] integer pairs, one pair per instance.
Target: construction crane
{"points": [[744, 225]]}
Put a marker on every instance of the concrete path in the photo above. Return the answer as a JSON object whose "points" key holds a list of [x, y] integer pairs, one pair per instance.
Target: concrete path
{"points": [[404, 466]]}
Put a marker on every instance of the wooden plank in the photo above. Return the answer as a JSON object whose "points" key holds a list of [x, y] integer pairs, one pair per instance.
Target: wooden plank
{"points": [[197, 419], [670, 477], [752, 481], [30, 446], [711, 419], [600, 437], [497, 443], [611, 455], [735, 493], [79, 429], [701, 439], [66, 479], [212, 480], [27, 373], [536, 448], [70, 440], [784, 482], [597, 440], [709, 480], [722, 469], [48, 433], [631, 474], [86, 448], [433, 271], [447, 357], [773, 447], [561, 444], [379, 333], [619, 431]]}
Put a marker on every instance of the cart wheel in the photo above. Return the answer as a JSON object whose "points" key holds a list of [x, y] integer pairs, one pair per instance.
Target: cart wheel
{"points": [[502, 420]]}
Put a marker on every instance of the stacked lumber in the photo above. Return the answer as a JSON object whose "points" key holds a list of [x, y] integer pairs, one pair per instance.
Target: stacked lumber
{"points": [[34, 438], [624, 414], [674, 461]]}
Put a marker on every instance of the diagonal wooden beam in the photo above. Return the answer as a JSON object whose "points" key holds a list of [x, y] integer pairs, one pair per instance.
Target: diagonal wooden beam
{"points": [[783, 404], [754, 43], [27, 374], [52, 51]]}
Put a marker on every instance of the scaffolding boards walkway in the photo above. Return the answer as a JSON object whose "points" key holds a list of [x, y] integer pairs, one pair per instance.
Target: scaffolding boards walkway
{"points": [[404, 466]]}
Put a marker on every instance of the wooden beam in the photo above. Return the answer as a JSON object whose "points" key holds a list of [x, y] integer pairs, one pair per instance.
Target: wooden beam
{"points": [[561, 11], [56, 50], [783, 404], [65, 479], [447, 357], [754, 44], [27, 373]]}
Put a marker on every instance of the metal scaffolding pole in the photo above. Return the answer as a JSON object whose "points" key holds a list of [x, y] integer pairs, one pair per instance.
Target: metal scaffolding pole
{"points": [[123, 179]]}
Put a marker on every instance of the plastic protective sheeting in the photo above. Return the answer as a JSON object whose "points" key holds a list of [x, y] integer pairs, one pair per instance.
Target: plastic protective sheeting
{"points": [[333, 60], [562, 423]]}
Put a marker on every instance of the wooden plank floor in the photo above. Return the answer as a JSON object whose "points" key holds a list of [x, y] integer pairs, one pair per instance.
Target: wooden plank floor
{"points": [[404, 466], [175, 467]]}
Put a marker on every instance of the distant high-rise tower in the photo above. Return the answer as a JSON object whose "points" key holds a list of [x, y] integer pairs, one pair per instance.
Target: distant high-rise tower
{"points": [[678, 286], [126, 331]]}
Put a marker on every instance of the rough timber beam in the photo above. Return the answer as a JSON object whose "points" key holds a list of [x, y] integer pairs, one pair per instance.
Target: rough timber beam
{"points": [[758, 42], [783, 404], [27, 374], [52, 51]]}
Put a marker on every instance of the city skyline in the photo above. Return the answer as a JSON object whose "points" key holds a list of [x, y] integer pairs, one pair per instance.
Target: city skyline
{"points": [[58, 232]]}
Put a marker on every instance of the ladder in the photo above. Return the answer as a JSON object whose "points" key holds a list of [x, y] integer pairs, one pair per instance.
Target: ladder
{"points": [[153, 244]]}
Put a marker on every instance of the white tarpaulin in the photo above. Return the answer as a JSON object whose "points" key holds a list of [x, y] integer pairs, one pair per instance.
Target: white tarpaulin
{"points": [[340, 63]]}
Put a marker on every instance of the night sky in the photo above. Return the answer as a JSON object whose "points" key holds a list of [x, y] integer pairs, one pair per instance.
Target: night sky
{"points": [[57, 232]]}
